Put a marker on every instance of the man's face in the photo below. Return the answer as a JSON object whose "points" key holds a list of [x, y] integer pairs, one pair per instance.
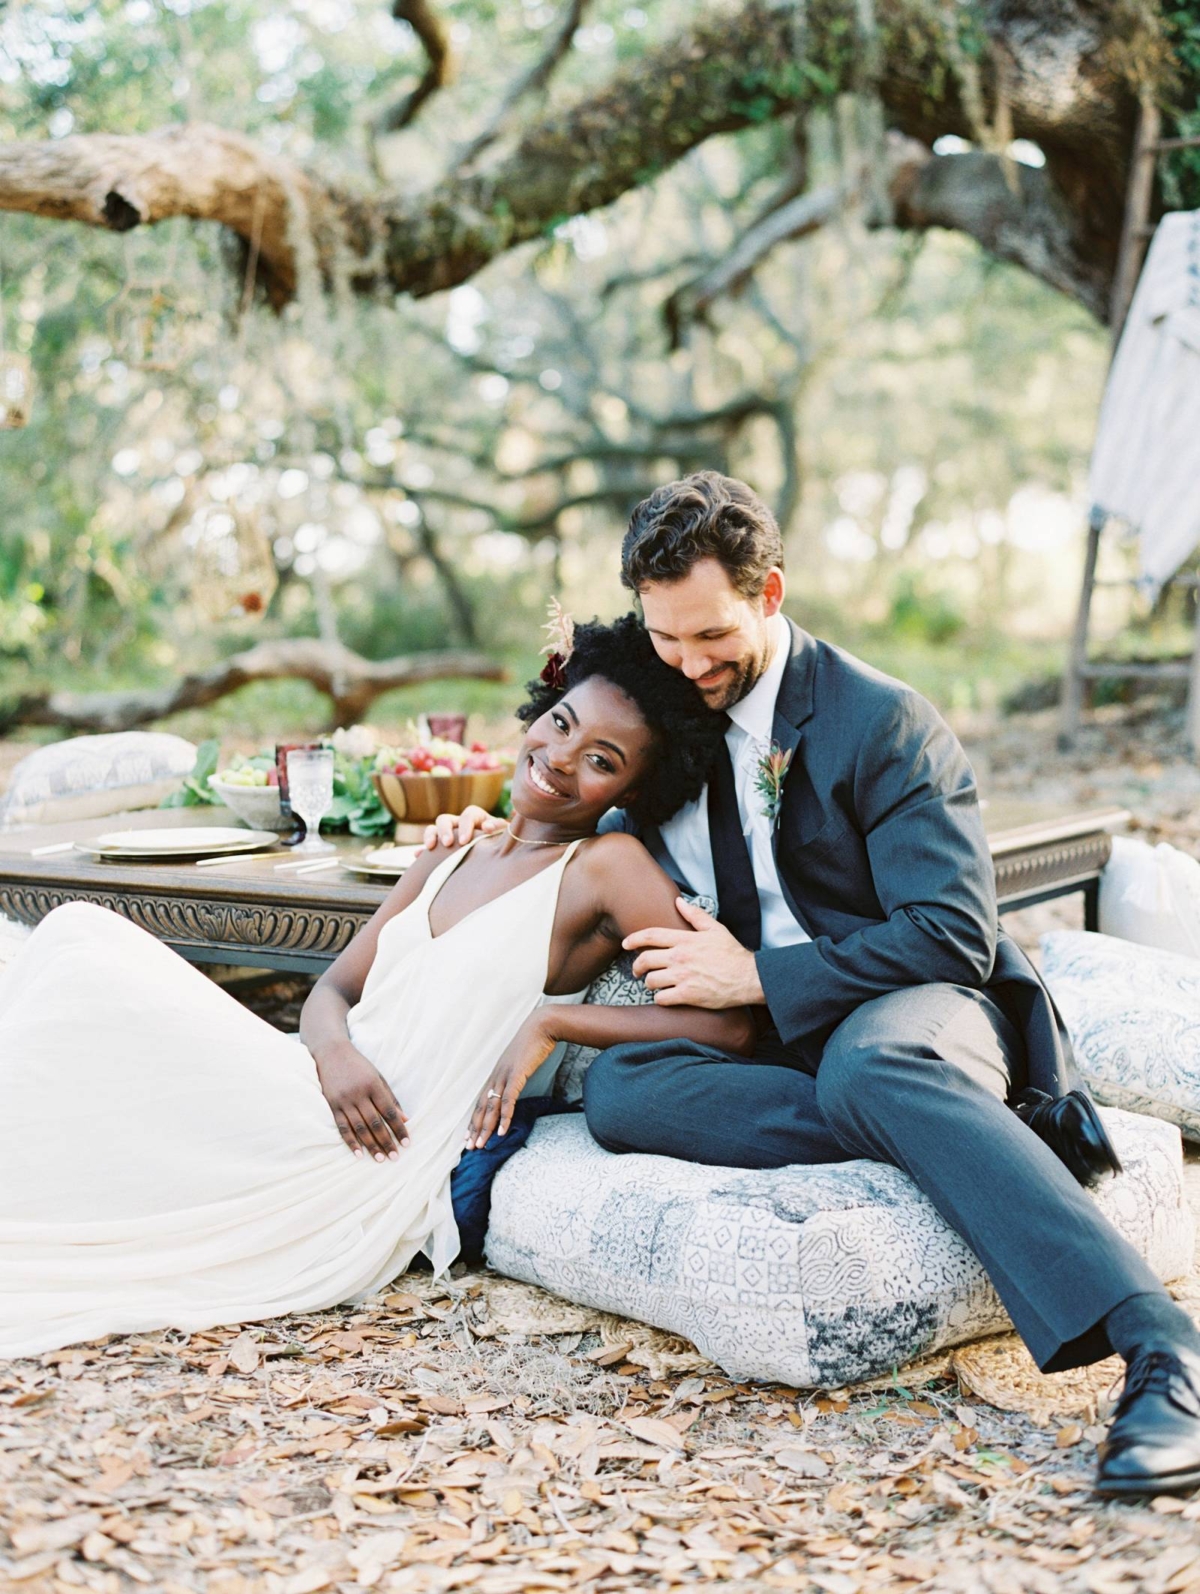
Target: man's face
{"points": [[703, 626]]}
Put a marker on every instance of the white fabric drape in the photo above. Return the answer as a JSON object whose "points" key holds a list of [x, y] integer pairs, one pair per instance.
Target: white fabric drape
{"points": [[1146, 462], [168, 1160]]}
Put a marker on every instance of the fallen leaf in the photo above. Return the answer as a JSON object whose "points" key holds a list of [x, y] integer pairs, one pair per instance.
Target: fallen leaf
{"points": [[655, 1431], [948, 1492], [244, 1354], [1068, 1436], [401, 1425], [62, 1534], [311, 1581], [490, 1550], [608, 1354], [804, 1463]]}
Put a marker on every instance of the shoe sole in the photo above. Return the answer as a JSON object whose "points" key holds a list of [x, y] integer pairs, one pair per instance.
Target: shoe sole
{"points": [[1168, 1483]]}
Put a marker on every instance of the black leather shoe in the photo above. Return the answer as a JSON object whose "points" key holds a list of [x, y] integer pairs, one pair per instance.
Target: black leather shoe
{"points": [[1153, 1446], [1073, 1130]]}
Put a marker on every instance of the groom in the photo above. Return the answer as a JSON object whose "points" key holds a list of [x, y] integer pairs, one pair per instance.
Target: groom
{"points": [[840, 834]]}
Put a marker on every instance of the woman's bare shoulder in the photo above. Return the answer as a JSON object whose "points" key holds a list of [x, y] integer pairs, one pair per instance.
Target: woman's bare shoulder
{"points": [[615, 849], [619, 859]]}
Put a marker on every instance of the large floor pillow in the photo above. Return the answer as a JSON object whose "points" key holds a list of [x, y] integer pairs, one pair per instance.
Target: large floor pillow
{"points": [[1133, 1013], [809, 1276], [90, 777]]}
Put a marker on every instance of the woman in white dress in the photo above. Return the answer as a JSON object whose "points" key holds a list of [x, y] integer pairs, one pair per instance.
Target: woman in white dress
{"points": [[167, 1159]]}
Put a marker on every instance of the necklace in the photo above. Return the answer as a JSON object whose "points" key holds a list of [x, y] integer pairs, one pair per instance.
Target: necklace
{"points": [[526, 842]]}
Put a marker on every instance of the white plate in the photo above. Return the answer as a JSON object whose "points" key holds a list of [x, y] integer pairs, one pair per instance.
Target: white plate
{"points": [[383, 863], [185, 842]]}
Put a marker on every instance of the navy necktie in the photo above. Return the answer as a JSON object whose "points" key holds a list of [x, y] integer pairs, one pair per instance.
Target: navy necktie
{"points": [[737, 894]]}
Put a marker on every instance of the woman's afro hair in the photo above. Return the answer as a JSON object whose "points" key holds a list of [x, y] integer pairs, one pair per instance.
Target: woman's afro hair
{"points": [[685, 731]]}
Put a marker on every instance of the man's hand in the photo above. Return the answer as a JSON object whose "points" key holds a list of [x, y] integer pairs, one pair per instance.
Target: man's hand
{"points": [[702, 967], [364, 1109], [519, 1062], [449, 828]]}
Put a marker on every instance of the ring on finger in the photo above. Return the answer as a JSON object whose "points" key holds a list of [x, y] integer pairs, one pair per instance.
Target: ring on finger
{"points": [[493, 1094]]}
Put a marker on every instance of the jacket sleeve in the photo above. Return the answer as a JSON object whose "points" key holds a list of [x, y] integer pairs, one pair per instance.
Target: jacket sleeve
{"points": [[616, 819], [915, 803]]}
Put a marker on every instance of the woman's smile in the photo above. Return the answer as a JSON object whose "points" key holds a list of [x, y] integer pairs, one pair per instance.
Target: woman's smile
{"points": [[541, 781]]}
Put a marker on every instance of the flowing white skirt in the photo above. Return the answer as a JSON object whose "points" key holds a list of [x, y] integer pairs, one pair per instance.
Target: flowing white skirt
{"points": [[165, 1156], [168, 1159]]}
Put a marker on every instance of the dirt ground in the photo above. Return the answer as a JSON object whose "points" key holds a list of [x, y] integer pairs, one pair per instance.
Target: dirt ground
{"points": [[477, 1434]]}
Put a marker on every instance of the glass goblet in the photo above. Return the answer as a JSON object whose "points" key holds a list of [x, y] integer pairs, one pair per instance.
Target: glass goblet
{"points": [[310, 789]]}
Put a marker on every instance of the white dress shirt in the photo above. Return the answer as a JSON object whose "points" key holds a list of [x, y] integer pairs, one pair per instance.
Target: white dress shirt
{"points": [[748, 739]]}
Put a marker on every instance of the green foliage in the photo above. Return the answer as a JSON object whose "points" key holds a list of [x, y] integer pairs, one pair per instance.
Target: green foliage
{"points": [[195, 791], [356, 806], [1180, 169], [924, 614]]}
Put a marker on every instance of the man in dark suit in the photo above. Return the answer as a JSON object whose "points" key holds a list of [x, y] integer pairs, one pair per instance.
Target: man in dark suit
{"points": [[841, 837]]}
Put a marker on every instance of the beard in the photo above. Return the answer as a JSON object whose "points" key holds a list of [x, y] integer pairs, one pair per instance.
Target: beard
{"points": [[740, 676]]}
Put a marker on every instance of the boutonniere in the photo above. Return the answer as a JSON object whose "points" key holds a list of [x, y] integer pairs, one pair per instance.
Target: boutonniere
{"points": [[769, 775]]}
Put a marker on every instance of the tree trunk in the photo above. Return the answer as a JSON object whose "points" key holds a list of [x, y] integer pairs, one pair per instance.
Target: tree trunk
{"points": [[351, 681]]}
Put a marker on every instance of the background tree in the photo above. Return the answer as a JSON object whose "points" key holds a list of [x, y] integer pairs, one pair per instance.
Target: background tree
{"points": [[765, 240]]}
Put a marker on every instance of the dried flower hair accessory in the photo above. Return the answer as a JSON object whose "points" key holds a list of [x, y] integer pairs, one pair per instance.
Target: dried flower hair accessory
{"points": [[560, 629]]}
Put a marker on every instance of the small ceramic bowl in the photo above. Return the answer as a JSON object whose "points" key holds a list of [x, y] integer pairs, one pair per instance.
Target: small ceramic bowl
{"points": [[256, 806]]}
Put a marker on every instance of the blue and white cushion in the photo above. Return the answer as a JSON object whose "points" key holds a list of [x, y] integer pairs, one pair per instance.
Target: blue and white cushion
{"points": [[810, 1276], [89, 777], [1133, 1013]]}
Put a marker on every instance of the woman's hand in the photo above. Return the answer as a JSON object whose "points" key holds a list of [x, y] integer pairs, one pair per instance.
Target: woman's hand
{"points": [[519, 1062], [366, 1113], [450, 828]]}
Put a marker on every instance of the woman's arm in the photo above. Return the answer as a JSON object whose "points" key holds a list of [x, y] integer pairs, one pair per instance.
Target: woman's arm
{"points": [[628, 892], [367, 1114]]}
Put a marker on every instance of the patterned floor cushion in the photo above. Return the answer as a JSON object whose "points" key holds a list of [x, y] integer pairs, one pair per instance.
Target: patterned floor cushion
{"points": [[809, 1276], [1134, 1017], [89, 777]]}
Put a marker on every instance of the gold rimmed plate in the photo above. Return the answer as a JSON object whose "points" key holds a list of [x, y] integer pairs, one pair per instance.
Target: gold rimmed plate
{"points": [[382, 863], [176, 845]]}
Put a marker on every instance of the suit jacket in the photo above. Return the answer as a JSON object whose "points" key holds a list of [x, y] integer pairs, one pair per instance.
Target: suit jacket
{"points": [[883, 860]]}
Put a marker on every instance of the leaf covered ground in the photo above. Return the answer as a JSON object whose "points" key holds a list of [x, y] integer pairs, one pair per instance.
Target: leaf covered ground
{"points": [[471, 1433], [421, 1442]]}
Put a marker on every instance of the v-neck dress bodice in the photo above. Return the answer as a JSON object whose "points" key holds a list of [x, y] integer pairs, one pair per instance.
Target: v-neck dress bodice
{"points": [[167, 1159]]}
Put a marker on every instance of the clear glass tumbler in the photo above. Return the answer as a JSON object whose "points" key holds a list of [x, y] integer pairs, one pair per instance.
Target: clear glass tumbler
{"points": [[310, 788]]}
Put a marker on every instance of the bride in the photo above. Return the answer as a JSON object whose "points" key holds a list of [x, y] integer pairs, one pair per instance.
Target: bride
{"points": [[167, 1159]]}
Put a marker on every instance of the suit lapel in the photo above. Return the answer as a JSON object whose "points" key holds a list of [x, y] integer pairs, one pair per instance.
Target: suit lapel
{"points": [[793, 706]]}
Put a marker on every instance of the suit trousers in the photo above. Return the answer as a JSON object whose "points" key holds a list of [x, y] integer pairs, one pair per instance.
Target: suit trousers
{"points": [[918, 1078]]}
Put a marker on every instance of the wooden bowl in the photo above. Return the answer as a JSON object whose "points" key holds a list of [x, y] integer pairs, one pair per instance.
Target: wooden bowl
{"points": [[417, 799]]}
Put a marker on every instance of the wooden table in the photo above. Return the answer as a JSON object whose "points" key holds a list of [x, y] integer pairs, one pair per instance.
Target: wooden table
{"points": [[252, 914]]}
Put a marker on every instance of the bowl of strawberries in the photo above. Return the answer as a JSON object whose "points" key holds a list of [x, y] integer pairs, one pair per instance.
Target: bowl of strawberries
{"points": [[437, 776]]}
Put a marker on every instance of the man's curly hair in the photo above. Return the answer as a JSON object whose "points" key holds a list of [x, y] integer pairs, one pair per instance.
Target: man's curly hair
{"points": [[685, 732]]}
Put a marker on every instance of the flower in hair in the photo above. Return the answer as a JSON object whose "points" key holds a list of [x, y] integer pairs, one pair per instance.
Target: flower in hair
{"points": [[560, 629], [554, 673]]}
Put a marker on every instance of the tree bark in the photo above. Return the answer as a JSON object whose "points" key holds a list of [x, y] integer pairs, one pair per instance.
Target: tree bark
{"points": [[1061, 86], [351, 681]]}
